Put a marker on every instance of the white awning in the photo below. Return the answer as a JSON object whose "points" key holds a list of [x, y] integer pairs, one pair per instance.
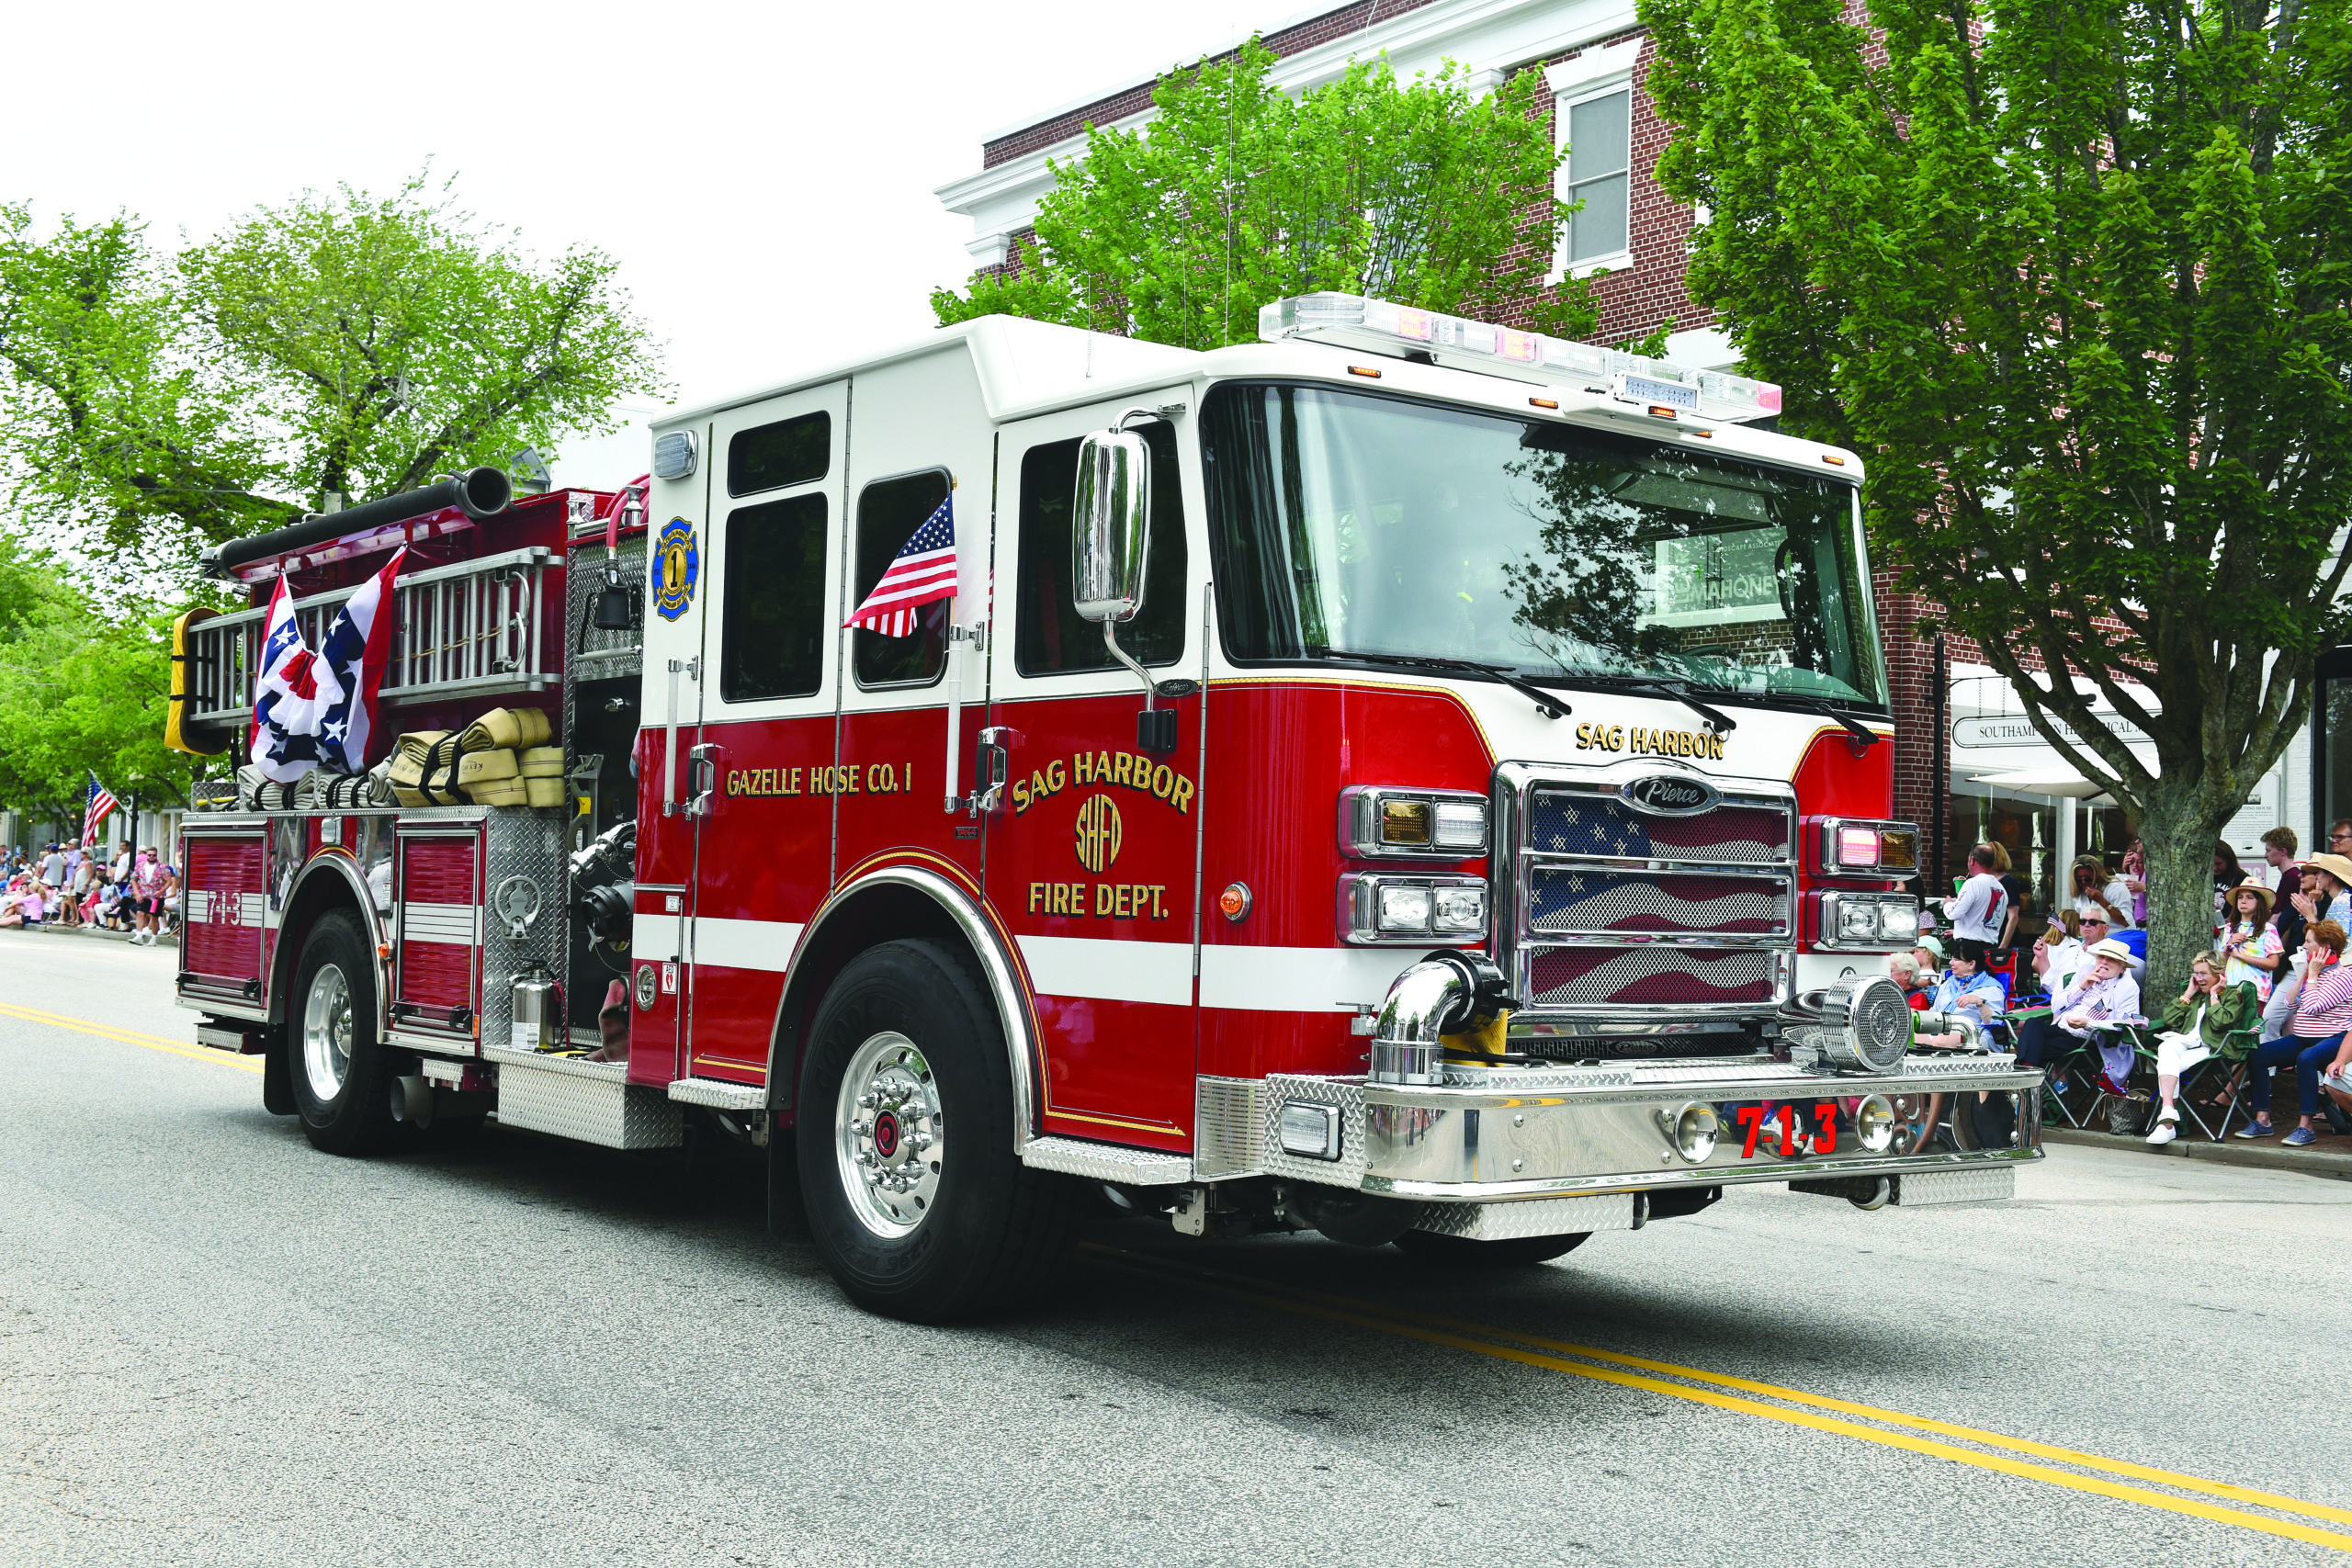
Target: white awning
{"points": [[2044, 780]]}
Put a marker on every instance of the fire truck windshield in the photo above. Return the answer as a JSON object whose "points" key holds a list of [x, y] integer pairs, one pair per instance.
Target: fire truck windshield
{"points": [[1352, 524]]}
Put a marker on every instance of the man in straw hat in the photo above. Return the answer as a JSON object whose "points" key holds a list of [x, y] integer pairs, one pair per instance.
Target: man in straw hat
{"points": [[2104, 993]]}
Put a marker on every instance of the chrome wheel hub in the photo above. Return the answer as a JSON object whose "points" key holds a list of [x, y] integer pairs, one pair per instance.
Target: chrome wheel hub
{"points": [[886, 1135], [327, 1031]]}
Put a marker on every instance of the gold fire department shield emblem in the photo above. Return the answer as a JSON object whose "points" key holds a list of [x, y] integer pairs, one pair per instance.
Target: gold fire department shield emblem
{"points": [[1098, 833]]}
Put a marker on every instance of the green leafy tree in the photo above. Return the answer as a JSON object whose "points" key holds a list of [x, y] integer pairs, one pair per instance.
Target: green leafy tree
{"points": [[339, 346], [82, 689], [2075, 279], [1236, 195]]}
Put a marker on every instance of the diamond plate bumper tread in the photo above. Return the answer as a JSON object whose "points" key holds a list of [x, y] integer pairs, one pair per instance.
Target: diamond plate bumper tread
{"points": [[587, 1102], [719, 1096], [1916, 1190], [1543, 1216], [1107, 1162]]}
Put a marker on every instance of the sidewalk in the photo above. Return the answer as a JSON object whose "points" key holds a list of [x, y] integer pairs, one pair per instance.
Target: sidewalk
{"points": [[2331, 1157]]}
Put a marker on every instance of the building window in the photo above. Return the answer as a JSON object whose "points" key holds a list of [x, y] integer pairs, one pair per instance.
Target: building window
{"points": [[1592, 112], [1599, 175]]}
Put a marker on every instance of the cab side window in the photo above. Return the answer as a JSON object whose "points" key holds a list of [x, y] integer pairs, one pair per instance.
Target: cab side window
{"points": [[1049, 637], [771, 457], [773, 628], [888, 514]]}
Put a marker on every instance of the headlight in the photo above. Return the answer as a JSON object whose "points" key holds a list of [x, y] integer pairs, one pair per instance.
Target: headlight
{"points": [[1845, 846], [1862, 920], [1377, 822], [1377, 908]]}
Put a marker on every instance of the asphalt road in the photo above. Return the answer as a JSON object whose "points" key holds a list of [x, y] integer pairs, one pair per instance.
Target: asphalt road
{"points": [[216, 1346]]}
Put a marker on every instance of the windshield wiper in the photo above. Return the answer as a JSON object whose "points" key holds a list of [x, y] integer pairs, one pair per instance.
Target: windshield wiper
{"points": [[1866, 737], [1642, 686], [1548, 703]]}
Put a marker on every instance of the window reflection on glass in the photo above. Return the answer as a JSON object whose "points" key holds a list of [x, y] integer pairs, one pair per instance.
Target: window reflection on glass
{"points": [[1599, 146], [1354, 524]]}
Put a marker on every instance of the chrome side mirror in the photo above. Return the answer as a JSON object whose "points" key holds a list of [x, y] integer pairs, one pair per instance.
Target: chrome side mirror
{"points": [[1111, 526]]}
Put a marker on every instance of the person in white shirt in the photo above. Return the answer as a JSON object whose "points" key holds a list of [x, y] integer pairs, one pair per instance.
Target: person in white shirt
{"points": [[2092, 891], [1983, 907]]}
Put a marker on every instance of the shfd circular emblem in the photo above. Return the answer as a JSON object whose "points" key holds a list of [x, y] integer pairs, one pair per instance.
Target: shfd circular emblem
{"points": [[1098, 832], [676, 564]]}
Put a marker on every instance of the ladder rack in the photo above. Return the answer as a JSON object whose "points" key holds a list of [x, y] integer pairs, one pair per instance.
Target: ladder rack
{"points": [[471, 628]]}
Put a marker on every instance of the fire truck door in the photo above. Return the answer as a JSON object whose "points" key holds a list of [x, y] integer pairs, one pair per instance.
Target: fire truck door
{"points": [[761, 795], [1092, 856], [923, 441]]}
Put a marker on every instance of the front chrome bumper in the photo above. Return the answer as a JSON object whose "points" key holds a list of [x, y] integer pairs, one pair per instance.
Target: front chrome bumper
{"points": [[1495, 1134]]}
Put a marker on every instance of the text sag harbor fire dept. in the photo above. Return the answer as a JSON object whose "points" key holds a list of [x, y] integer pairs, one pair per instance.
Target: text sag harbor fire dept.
{"points": [[1404, 778]]}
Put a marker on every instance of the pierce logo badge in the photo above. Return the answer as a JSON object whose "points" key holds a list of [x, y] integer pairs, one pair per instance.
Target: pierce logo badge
{"points": [[676, 564], [1670, 795]]}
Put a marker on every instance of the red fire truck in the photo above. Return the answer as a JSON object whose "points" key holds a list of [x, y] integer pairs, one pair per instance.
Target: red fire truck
{"points": [[1406, 778]]}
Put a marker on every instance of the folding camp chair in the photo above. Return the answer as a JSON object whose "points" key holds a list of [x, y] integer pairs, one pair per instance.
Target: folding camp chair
{"points": [[2223, 1073]]}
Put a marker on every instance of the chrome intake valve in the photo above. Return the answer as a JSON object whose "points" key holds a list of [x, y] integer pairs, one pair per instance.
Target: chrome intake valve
{"points": [[1857, 1025]]}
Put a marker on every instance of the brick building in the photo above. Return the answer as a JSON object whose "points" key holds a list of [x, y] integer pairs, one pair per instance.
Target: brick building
{"points": [[1965, 755]]}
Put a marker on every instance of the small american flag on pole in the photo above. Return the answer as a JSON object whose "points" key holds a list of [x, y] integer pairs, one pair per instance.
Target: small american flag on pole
{"points": [[97, 806], [923, 572]]}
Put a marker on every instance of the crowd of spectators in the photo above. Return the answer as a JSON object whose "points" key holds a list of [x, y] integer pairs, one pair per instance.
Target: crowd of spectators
{"points": [[2274, 992], [63, 887]]}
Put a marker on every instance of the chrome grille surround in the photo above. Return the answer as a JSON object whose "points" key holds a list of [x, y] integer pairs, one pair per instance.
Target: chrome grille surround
{"points": [[1612, 921]]}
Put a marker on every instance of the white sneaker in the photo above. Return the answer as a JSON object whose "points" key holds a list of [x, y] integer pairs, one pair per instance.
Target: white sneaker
{"points": [[2167, 1129]]}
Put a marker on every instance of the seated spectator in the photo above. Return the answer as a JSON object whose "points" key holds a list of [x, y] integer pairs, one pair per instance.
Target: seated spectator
{"points": [[1965, 988], [2198, 1027], [171, 914], [1930, 951], [1982, 910], [1904, 970], [2326, 892], [2093, 892], [2323, 1012], [2254, 951], [2058, 952], [2103, 994]]}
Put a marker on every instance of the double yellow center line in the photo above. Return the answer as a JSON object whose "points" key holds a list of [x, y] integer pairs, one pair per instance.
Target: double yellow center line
{"points": [[130, 1037], [1888, 1429]]}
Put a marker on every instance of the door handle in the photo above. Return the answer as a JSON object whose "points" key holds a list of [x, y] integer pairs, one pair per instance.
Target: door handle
{"points": [[702, 778], [990, 758]]}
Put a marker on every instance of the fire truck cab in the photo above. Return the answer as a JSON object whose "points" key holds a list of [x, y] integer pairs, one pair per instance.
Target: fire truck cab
{"points": [[1406, 778]]}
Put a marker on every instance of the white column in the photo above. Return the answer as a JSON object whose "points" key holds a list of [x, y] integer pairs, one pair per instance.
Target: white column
{"points": [[2067, 815]]}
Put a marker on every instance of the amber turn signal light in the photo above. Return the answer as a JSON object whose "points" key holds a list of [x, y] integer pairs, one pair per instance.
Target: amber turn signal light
{"points": [[1234, 902]]}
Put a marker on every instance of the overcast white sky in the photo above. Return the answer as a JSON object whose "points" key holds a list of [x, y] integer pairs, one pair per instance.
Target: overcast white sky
{"points": [[764, 172]]}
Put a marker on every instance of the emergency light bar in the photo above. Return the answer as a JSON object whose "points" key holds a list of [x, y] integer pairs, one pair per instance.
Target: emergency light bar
{"points": [[1382, 327]]}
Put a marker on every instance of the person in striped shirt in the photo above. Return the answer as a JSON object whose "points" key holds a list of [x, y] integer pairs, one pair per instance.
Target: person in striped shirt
{"points": [[2323, 1014]]}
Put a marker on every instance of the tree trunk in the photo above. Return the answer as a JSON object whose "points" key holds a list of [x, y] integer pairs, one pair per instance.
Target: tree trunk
{"points": [[2180, 843]]}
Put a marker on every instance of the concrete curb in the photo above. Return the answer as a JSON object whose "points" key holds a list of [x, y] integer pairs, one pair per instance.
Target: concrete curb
{"points": [[2266, 1155], [170, 939]]}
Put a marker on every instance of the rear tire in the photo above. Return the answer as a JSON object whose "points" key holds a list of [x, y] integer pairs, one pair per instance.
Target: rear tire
{"points": [[1460, 1252], [915, 1198], [341, 1072]]}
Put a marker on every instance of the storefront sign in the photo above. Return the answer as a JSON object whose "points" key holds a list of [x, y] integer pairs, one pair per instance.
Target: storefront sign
{"points": [[2016, 729]]}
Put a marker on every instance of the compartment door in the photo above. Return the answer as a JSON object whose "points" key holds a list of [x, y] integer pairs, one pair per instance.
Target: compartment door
{"points": [[225, 897], [437, 976]]}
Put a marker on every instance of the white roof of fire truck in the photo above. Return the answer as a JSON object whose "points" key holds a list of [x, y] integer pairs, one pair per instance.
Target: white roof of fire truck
{"points": [[1028, 368]]}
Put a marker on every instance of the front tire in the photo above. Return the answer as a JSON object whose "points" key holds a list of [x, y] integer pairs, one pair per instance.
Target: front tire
{"points": [[1460, 1252], [341, 1075], [915, 1197]]}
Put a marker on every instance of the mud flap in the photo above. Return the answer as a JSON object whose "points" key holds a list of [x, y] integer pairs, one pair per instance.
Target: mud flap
{"points": [[788, 1215], [277, 1076]]}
